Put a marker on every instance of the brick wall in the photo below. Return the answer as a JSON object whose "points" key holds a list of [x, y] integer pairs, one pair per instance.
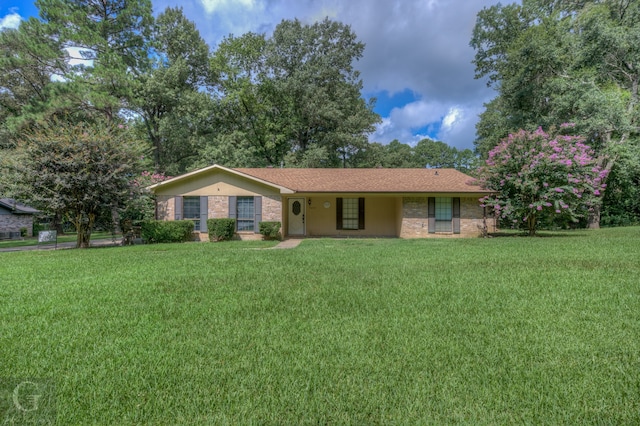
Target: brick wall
{"points": [[471, 221], [218, 206], [415, 222], [272, 209], [165, 207], [13, 223]]}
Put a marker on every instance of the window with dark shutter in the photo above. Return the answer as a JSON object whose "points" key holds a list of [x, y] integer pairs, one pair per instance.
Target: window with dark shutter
{"points": [[257, 206], [443, 214], [245, 211], [232, 207], [456, 215], [204, 213], [191, 211], [431, 214], [350, 213], [177, 208]]}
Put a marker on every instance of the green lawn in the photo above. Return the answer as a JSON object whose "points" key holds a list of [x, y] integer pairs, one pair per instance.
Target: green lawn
{"points": [[479, 331]]}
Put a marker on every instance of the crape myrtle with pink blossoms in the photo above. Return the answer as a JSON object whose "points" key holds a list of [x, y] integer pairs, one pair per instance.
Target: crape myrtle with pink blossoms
{"points": [[541, 177], [141, 205]]}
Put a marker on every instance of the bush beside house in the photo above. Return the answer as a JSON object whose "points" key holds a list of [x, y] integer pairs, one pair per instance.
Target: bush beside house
{"points": [[221, 229], [270, 230], [158, 231]]}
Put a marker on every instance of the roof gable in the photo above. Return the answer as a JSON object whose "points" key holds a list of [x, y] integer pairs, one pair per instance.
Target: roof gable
{"points": [[197, 174]]}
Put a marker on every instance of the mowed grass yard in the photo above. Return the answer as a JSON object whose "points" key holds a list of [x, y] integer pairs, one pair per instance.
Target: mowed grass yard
{"points": [[483, 331]]}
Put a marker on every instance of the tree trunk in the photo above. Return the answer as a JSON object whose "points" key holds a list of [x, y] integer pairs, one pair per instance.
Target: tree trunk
{"points": [[594, 217], [84, 226], [56, 223], [606, 164], [115, 219], [531, 225]]}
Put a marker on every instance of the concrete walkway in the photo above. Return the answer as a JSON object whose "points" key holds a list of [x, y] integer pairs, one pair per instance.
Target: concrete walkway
{"points": [[288, 244]]}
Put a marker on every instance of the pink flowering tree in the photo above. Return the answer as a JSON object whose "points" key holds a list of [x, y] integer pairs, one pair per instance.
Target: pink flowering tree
{"points": [[537, 176], [141, 205]]}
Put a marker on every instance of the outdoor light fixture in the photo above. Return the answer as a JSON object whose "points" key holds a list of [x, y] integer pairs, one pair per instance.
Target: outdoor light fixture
{"points": [[309, 202]]}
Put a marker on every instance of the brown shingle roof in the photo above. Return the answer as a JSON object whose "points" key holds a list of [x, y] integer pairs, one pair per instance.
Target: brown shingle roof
{"points": [[17, 207], [366, 180]]}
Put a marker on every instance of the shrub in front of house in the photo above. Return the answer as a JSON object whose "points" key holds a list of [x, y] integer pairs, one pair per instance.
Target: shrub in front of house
{"points": [[270, 230], [159, 231], [221, 229], [37, 227]]}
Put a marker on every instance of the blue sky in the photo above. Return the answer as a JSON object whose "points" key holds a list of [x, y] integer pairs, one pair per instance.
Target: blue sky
{"points": [[417, 60]]}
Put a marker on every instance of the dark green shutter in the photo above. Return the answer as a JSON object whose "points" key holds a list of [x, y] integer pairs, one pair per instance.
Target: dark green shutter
{"points": [[338, 213], [360, 213], [456, 215], [431, 214], [177, 208], [257, 210], [204, 213], [232, 207]]}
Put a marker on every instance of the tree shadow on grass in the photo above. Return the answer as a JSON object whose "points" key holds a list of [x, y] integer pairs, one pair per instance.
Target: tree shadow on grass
{"points": [[540, 234]]}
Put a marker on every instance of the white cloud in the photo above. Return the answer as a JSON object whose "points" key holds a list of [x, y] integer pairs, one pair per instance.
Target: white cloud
{"points": [[454, 115], [458, 127], [416, 114], [455, 124], [75, 58], [212, 6], [416, 45], [403, 122], [10, 21]]}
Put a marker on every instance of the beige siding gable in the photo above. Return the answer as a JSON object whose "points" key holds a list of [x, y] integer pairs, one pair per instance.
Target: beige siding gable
{"points": [[216, 183]]}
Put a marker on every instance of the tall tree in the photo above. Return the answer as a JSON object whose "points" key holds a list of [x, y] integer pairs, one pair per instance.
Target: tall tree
{"points": [[29, 59], [295, 91], [249, 114], [111, 39], [313, 67], [169, 93], [562, 61], [435, 154], [621, 204], [400, 155]]}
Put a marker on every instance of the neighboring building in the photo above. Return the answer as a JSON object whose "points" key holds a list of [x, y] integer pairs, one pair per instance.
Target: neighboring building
{"points": [[13, 217], [405, 203]]}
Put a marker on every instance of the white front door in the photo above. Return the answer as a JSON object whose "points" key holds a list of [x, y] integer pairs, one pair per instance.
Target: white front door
{"points": [[296, 216]]}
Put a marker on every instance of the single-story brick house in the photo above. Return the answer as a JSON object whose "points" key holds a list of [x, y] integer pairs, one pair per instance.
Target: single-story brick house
{"points": [[405, 203], [14, 216]]}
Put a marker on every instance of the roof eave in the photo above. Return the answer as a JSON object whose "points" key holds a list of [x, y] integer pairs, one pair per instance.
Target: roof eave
{"points": [[18, 210], [282, 189], [394, 192]]}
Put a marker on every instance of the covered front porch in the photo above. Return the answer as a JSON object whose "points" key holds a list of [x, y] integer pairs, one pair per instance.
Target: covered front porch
{"points": [[342, 215], [383, 215]]}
